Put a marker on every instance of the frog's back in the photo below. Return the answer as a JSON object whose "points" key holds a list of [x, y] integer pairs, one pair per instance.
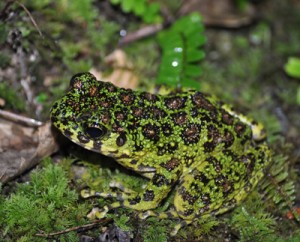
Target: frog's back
{"points": [[150, 123], [185, 122]]}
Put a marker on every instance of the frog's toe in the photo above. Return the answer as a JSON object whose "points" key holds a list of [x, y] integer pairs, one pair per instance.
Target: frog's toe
{"points": [[102, 212], [175, 230], [162, 215], [148, 213], [85, 193], [96, 213], [177, 227]]}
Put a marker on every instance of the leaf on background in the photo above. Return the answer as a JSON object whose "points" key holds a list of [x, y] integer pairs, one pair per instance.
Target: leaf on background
{"points": [[292, 67], [2, 102], [123, 71], [181, 52], [222, 13]]}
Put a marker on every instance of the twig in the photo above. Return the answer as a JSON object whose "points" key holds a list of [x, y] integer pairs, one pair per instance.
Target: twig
{"points": [[141, 33], [77, 228], [20, 119], [2, 14], [31, 18]]}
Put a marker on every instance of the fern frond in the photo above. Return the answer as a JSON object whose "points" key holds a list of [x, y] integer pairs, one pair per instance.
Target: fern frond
{"points": [[278, 187], [253, 227], [181, 51]]}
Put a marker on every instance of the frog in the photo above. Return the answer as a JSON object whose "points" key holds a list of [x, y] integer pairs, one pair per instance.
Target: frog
{"points": [[187, 142]]}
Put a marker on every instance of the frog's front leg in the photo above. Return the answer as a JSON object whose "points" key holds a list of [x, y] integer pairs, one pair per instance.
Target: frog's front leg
{"points": [[155, 191]]}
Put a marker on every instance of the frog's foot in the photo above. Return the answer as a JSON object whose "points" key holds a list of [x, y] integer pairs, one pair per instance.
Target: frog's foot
{"points": [[169, 214], [120, 196], [150, 213], [177, 227], [95, 213], [101, 213]]}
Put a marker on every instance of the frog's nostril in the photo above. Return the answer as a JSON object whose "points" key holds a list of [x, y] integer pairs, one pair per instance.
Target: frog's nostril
{"points": [[95, 132]]}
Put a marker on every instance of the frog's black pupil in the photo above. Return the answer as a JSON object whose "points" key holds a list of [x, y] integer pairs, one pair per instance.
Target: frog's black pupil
{"points": [[95, 132]]}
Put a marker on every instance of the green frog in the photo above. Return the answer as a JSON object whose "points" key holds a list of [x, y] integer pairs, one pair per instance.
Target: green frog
{"points": [[185, 141]]}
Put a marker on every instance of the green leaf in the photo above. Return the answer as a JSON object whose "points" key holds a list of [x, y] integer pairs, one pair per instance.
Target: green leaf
{"points": [[181, 46], [196, 40], [128, 5], [292, 68], [115, 1], [195, 55], [139, 7], [192, 70], [190, 83], [42, 97]]}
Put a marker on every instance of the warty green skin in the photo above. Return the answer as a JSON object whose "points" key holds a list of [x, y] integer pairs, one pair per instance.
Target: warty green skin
{"points": [[187, 141]]}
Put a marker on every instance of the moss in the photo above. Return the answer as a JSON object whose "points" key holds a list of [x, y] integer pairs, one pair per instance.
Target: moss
{"points": [[156, 230], [46, 204]]}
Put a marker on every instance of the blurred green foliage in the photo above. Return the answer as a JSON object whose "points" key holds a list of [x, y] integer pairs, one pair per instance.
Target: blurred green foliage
{"points": [[292, 68], [12, 98], [148, 12], [87, 42]]}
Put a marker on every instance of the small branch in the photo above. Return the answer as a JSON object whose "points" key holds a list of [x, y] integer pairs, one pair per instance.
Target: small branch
{"points": [[31, 18], [141, 33], [77, 228], [20, 119]]}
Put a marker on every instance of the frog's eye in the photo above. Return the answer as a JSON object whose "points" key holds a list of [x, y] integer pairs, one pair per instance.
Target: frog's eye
{"points": [[96, 132]]}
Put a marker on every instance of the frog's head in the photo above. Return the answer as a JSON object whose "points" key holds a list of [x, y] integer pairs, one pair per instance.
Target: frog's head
{"points": [[84, 115]]}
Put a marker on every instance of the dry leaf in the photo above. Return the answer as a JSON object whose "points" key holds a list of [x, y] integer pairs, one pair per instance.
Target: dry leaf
{"points": [[22, 147], [123, 72], [2, 102], [222, 13]]}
